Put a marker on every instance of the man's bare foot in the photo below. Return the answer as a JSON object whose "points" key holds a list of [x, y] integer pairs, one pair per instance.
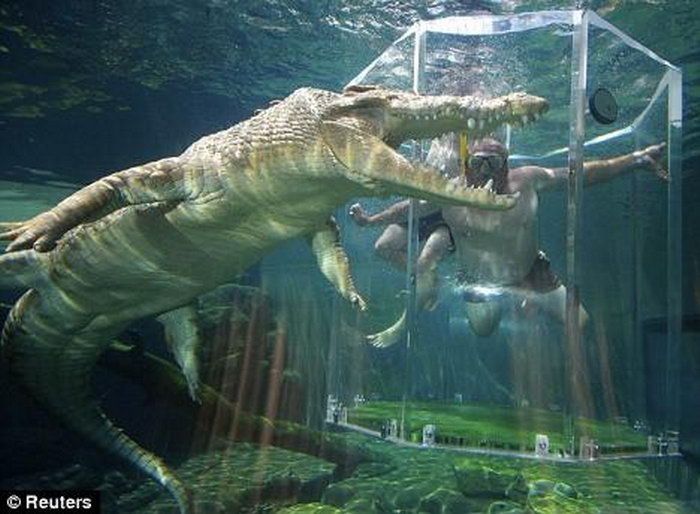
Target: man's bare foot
{"points": [[390, 336]]}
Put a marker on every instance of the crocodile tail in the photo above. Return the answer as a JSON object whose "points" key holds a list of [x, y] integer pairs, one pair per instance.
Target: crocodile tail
{"points": [[56, 370], [19, 269]]}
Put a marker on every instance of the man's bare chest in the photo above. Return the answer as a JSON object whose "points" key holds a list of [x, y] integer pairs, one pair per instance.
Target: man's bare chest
{"points": [[470, 222]]}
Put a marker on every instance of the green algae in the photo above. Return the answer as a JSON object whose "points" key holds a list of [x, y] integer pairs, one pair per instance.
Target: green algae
{"points": [[311, 508], [496, 426], [412, 480]]}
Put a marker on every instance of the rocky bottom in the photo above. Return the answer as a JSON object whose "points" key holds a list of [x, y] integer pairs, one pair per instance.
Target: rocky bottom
{"points": [[244, 478], [438, 482]]}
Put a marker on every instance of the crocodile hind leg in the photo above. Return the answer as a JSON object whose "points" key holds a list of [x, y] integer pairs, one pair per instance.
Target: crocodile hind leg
{"points": [[55, 368]]}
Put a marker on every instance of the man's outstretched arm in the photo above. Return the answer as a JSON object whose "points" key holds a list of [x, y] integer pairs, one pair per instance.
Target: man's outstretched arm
{"points": [[396, 213], [595, 172]]}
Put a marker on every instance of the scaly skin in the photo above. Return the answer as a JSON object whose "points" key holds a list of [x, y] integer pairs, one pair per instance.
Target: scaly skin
{"points": [[150, 239]]}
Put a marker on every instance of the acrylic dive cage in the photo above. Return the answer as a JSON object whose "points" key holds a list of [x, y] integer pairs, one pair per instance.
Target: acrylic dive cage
{"points": [[616, 247]]}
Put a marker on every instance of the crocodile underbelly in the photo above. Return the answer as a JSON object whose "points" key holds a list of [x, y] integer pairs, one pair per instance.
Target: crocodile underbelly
{"points": [[139, 262]]}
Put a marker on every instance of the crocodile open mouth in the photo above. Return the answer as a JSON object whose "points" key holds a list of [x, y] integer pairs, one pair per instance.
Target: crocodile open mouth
{"points": [[375, 165]]}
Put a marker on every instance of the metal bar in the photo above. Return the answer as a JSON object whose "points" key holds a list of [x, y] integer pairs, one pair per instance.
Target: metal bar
{"points": [[579, 58], [412, 243], [674, 248], [483, 25]]}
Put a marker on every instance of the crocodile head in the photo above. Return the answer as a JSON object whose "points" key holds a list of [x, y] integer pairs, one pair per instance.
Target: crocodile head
{"points": [[394, 116]]}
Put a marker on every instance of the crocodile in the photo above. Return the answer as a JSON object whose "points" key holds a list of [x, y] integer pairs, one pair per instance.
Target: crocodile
{"points": [[146, 241]]}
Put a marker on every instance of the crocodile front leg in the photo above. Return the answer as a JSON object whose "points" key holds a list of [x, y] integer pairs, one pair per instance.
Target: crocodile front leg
{"points": [[334, 263], [165, 180]]}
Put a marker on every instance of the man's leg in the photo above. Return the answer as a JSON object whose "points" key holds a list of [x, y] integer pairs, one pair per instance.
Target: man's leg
{"points": [[436, 246], [483, 317], [392, 245], [553, 303]]}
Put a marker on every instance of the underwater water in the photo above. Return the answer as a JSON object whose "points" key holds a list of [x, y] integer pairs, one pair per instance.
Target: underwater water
{"points": [[483, 400]]}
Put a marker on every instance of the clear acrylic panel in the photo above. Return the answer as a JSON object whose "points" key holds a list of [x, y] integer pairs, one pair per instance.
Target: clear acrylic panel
{"points": [[515, 370], [614, 246], [623, 256]]}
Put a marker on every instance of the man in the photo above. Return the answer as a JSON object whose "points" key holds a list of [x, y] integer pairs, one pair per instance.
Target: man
{"points": [[497, 252]]}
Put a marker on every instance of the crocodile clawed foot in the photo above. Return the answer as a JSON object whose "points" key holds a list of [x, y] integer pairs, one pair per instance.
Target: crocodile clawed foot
{"points": [[357, 301], [35, 233]]}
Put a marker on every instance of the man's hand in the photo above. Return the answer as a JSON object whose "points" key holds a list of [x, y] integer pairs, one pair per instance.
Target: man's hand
{"points": [[651, 156], [358, 214]]}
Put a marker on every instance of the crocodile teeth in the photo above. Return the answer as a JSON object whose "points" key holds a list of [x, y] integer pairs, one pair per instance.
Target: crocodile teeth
{"points": [[489, 184], [525, 119], [471, 123]]}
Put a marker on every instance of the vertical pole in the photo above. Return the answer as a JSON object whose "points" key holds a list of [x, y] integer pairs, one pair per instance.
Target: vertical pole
{"points": [[412, 249], [675, 261], [638, 402], [579, 57]]}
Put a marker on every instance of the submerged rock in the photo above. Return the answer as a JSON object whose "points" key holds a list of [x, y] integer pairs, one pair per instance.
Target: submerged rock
{"points": [[238, 476], [557, 504], [547, 497], [518, 489], [566, 490], [338, 494], [410, 497], [361, 506], [310, 508], [372, 469], [482, 481], [505, 507], [445, 501], [540, 488]]}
